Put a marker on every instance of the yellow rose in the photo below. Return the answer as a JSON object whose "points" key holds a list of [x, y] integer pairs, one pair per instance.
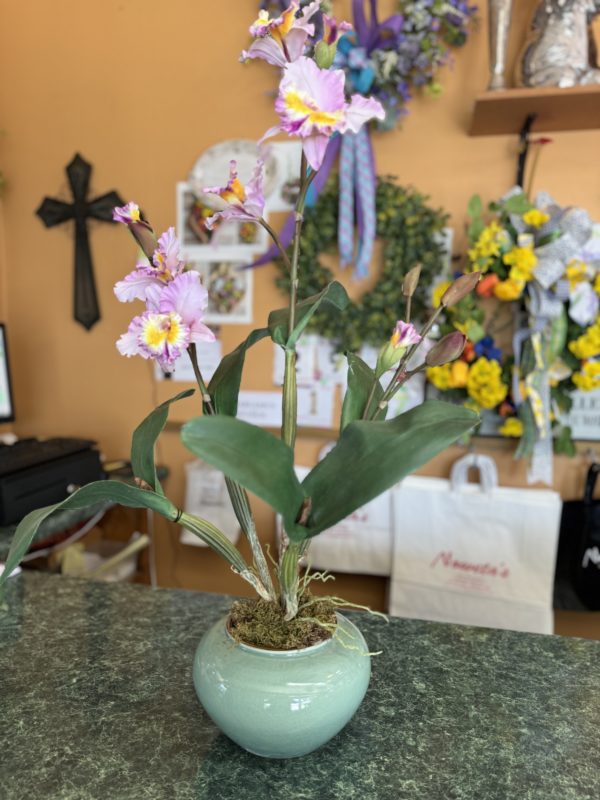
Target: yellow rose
{"points": [[509, 289], [512, 427]]}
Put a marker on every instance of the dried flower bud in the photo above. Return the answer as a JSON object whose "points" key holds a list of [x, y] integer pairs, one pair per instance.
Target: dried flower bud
{"points": [[449, 348], [411, 281], [460, 288]]}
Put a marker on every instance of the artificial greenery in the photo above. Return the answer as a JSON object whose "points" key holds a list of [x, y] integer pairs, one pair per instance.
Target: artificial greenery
{"points": [[410, 230]]}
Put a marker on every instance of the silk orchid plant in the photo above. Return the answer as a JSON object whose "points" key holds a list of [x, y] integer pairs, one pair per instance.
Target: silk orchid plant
{"points": [[372, 453]]}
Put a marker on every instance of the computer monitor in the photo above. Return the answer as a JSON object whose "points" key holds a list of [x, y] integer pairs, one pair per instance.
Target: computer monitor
{"points": [[7, 413]]}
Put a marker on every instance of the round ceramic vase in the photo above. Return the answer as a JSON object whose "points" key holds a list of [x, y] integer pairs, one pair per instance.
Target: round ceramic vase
{"points": [[281, 704]]}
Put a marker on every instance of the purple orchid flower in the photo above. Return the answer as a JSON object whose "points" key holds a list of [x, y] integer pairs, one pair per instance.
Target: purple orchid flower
{"points": [[404, 335], [281, 40], [147, 279], [236, 201], [311, 104], [172, 321]]}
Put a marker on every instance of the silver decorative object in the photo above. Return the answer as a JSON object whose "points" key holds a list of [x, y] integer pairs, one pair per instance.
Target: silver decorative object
{"points": [[559, 50], [499, 12]]}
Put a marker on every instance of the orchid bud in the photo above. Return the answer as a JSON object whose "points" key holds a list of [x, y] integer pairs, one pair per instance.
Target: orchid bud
{"points": [[145, 237], [325, 54], [404, 336], [411, 281], [130, 215], [460, 288], [449, 348]]}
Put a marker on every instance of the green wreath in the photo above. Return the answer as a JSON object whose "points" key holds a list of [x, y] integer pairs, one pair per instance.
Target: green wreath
{"points": [[410, 232]]}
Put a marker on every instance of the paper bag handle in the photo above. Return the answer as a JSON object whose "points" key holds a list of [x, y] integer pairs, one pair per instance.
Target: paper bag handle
{"points": [[488, 472]]}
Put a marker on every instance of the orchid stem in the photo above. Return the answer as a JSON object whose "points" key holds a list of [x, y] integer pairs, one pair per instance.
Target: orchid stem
{"points": [[237, 494], [277, 242]]}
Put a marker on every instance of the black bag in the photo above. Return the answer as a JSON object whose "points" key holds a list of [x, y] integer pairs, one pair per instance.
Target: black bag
{"points": [[578, 558]]}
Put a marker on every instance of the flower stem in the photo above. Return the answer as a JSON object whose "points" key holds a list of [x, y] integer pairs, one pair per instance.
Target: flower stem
{"points": [[277, 241], [237, 494]]}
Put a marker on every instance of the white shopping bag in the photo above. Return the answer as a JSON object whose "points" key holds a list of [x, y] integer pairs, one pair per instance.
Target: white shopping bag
{"points": [[360, 544], [474, 554]]}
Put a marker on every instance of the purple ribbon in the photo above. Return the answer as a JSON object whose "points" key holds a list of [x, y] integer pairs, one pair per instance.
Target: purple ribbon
{"points": [[357, 191]]}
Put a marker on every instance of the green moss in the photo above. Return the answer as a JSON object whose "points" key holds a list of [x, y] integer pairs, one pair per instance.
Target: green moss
{"points": [[261, 623]]}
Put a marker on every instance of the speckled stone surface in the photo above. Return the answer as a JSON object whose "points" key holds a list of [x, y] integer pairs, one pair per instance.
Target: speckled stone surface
{"points": [[97, 703]]}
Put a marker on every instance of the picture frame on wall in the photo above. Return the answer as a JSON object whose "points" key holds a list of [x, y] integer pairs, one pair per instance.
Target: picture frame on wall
{"points": [[229, 286], [232, 239]]}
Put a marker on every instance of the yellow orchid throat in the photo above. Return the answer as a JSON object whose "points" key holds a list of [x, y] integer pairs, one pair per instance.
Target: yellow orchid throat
{"points": [[303, 106], [161, 330]]}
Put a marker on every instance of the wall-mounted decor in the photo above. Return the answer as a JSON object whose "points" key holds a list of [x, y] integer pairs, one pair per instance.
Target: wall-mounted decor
{"points": [[229, 289], [560, 50], [52, 211]]}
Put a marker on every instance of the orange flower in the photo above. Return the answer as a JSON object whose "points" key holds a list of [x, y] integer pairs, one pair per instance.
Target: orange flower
{"points": [[469, 353], [486, 286]]}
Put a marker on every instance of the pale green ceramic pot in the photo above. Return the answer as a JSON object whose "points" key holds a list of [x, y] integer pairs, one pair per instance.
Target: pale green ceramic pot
{"points": [[281, 704]]}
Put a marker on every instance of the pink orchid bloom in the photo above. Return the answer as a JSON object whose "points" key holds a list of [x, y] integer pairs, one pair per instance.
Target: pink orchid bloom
{"points": [[311, 104], [163, 337], [281, 40], [172, 322], [145, 278], [405, 334], [187, 297], [127, 214], [236, 201]]}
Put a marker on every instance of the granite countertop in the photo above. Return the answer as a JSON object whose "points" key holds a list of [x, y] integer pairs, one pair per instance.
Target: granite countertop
{"points": [[98, 703]]}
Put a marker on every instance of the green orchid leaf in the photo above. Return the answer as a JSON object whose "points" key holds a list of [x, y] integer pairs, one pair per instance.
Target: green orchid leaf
{"points": [[144, 440], [224, 387], [371, 457], [361, 379], [333, 294], [116, 491], [250, 456], [518, 204]]}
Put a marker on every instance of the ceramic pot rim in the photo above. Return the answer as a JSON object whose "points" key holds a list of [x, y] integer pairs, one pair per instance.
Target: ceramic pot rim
{"points": [[265, 651]]}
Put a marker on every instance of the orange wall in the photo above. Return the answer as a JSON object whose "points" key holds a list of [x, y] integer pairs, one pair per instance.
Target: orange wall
{"points": [[140, 88]]}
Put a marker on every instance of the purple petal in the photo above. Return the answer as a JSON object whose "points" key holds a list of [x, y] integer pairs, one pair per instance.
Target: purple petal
{"points": [[314, 149], [361, 110], [268, 50], [185, 295], [135, 286]]}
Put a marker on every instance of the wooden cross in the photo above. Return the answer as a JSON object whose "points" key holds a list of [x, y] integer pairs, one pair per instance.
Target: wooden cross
{"points": [[54, 212]]}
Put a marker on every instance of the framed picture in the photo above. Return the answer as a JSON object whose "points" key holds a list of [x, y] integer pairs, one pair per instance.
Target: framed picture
{"points": [[229, 289], [232, 239]]}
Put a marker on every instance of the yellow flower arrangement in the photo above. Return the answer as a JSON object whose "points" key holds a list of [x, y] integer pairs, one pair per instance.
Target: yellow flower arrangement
{"points": [[576, 272], [589, 377], [509, 289], [588, 344], [488, 246], [535, 218], [513, 427], [449, 376], [522, 262], [484, 383], [439, 377]]}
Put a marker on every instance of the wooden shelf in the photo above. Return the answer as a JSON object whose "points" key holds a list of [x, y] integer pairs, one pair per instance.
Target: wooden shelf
{"points": [[505, 111]]}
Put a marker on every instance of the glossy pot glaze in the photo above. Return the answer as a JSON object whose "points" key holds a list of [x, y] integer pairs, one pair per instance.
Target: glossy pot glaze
{"points": [[281, 704]]}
